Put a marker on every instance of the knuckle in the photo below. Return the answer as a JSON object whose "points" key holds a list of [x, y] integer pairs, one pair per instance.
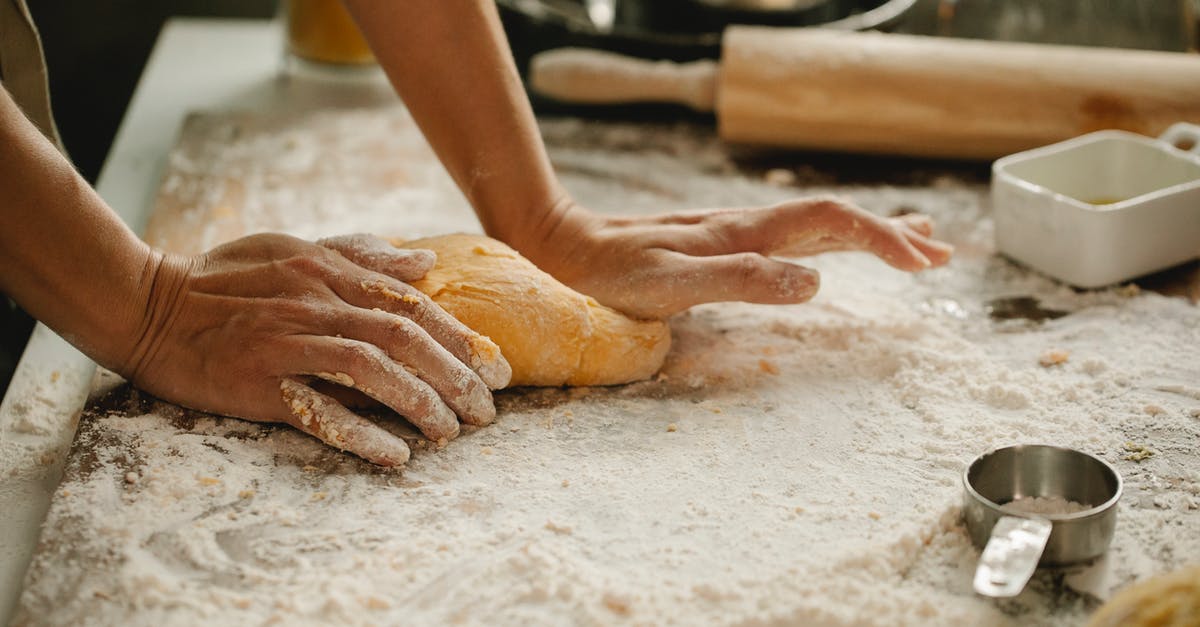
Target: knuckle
{"points": [[362, 355], [749, 269]]}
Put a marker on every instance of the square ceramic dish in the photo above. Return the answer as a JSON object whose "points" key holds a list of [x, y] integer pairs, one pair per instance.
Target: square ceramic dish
{"points": [[1101, 208]]}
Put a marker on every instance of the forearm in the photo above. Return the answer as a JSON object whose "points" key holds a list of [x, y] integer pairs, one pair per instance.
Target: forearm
{"points": [[64, 255], [450, 62]]}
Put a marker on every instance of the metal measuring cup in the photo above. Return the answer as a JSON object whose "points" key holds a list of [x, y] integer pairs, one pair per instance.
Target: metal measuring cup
{"points": [[1016, 544]]}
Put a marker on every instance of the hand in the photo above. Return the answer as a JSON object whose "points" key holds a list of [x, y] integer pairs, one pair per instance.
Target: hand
{"points": [[244, 328], [653, 267]]}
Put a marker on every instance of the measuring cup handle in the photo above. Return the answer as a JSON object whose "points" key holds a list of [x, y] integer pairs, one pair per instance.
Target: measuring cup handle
{"points": [[1011, 555], [1184, 136]]}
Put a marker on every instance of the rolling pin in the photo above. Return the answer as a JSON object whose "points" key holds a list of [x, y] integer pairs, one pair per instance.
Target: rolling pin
{"points": [[893, 94]]}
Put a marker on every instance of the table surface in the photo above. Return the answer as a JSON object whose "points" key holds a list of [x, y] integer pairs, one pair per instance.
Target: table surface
{"points": [[197, 64]]}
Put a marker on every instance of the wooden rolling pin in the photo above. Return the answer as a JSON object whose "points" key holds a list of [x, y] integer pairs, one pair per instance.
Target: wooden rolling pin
{"points": [[894, 94]]}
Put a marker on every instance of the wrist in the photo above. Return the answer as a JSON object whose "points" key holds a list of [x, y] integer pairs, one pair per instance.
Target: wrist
{"points": [[150, 310], [547, 236]]}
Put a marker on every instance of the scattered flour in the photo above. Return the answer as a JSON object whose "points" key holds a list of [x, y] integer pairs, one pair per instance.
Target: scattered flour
{"points": [[821, 489]]}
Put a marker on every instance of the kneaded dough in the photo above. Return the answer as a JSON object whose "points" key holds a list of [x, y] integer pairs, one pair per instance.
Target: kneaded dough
{"points": [[1170, 600], [550, 334]]}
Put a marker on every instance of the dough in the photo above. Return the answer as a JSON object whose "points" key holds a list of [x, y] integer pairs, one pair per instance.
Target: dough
{"points": [[550, 334], [1171, 600]]}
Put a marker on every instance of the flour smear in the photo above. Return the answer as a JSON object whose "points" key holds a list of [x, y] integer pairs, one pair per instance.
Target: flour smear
{"points": [[793, 465]]}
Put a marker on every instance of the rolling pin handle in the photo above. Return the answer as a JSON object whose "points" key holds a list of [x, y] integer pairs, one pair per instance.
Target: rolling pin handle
{"points": [[586, 76]]}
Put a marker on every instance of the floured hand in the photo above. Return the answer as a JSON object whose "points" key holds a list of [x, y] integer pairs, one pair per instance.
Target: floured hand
{"points": [[243, 329], [653, 267]]}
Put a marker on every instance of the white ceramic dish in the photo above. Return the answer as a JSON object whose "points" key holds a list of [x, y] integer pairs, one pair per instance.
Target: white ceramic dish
{"points": [[1101, 208]]}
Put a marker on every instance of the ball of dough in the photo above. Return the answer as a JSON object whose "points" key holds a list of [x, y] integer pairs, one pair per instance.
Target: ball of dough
{"points": [[1171, 600], [550, 334]]}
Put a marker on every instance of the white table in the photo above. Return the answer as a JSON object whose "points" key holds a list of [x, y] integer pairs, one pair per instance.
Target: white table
{"points": [[197, 64]]}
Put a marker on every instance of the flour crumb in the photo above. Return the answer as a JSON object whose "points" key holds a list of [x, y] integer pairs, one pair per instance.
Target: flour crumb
{"points": [[874, 515], [1054, 357], [1154, 410], [131, 477], [208, 481], [780, 177], [486, 450], [566, 483], [245, 494], [672, 428]]}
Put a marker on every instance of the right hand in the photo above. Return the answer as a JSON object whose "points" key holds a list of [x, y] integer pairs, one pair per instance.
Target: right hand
{"points": [[243, 329]]}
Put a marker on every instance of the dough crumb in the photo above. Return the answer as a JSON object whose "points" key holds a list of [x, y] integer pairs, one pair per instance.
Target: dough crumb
{"points": [[672, 428], [1137, 452], [1130, 290], [1154, 410], [562, 530], [131, 477], [1054, 357], [487, 450], [565, 483], [874, 515], [768, 367], [320, 496], [209, 481], [245, 494], [376, 603], [619, 604]]}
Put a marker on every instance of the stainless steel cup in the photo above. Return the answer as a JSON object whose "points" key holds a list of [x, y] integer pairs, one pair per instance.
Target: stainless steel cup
{"points": [[1015, 544]]}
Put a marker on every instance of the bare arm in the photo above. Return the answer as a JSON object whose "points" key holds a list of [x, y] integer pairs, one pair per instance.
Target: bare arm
{"points": [[62, 251], [450, 62], [243, 329]]}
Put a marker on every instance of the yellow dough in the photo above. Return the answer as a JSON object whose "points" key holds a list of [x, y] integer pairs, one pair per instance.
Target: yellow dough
{"points": [[1171, 600], [550, 334]]}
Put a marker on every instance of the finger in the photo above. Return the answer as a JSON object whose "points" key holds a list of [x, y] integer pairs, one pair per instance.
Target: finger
{"points": [[891, 244], [323, 418], [937, 252], [376, 254], [369, 370], [746, 277], [407, 343], [918, 222], [476, 351]]}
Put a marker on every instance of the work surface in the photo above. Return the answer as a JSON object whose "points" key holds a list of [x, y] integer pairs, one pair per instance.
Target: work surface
{"points": [[794, 464]]}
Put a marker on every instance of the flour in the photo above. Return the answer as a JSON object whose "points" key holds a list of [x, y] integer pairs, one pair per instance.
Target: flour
{"points": [[819, 489], [1044, 505]]}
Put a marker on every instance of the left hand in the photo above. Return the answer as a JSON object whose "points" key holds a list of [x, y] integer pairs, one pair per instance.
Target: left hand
{"points": [[656, 266]]}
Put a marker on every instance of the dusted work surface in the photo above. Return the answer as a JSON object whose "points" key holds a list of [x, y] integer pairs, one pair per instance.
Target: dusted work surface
{"points": [[196, 64], [791, 465]]}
